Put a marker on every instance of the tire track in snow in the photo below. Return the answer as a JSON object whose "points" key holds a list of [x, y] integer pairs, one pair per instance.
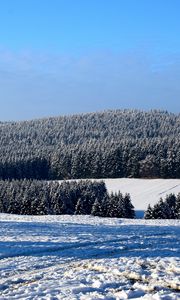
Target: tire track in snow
{"points": [[169, 189], [41, 272], [18, 280], [61, 248], [8, 282]]}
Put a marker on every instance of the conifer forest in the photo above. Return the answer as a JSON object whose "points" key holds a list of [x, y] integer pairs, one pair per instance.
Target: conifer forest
{"points": [[35, 154], [111, 144]]}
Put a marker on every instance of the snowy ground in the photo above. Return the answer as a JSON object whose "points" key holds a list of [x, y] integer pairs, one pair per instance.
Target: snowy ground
{"points": [[143, 191], [84, 257]]}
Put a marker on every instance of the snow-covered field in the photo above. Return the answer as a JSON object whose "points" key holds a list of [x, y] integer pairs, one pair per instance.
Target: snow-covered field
{"points": [[85, 257], [143, 191]]}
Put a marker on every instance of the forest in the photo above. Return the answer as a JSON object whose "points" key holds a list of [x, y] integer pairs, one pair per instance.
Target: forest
{"points": [[110, 144], [34, 197], [82, 197]]}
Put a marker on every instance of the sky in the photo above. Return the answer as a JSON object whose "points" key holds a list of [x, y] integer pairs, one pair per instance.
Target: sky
{"points": [[62, 57]]}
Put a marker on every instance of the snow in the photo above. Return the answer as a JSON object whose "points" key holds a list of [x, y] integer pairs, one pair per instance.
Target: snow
{"points": [[143, 191], [85, 257]]}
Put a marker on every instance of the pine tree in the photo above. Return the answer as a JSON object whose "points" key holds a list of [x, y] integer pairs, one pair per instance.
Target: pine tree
{"points": [[128, 208], [80, 208], [171, 203], [97, 208], [115, 205], [149, 213], [177, 207]]}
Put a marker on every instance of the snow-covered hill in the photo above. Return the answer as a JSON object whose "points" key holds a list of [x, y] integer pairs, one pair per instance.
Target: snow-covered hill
{"points": [[85, 257]]}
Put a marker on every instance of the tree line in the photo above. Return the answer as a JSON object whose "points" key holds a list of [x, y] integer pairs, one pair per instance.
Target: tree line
{"points": [[83, 197], [165, 209], [34, 197], [120, 143]]}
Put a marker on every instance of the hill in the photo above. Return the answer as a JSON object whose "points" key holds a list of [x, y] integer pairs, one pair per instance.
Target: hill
{"points": [[110, 144]]}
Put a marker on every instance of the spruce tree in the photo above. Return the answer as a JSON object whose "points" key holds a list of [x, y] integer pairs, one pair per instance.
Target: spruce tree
{"points": [[97, 208], [177, 207], [128, 208], [149, 213]]}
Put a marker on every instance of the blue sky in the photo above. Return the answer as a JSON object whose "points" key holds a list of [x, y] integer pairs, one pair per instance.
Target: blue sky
{"points": [[70, 56]]}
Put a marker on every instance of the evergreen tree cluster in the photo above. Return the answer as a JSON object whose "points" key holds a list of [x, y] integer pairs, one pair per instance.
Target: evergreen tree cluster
{"points": [[120, 143], [167, 209], [114, 205], [35, 197]]}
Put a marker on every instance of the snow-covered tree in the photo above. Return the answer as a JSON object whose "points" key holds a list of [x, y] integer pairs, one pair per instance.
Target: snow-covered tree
{"points": [[149, 213]]}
